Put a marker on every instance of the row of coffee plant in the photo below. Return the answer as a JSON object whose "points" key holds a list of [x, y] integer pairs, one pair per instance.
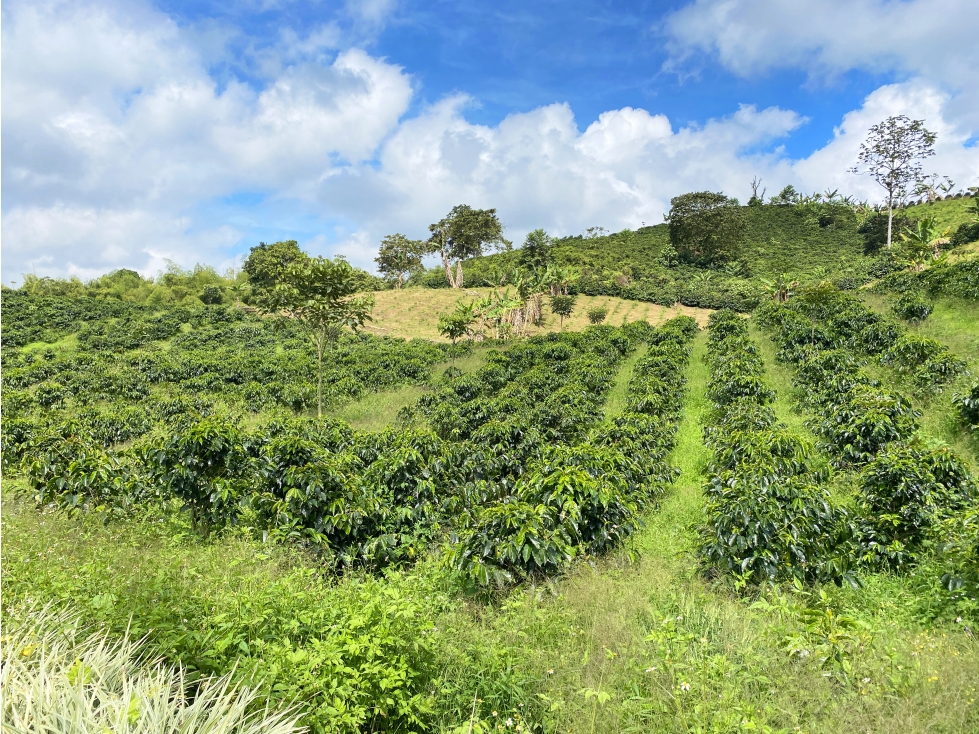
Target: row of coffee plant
{"points": [[582, 491], [846, 323], [528, 424], [221, 360], [906, 487], [769, 515]]}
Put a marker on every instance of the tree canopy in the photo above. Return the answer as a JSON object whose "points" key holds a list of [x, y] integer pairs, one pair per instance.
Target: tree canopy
{"points": [[266, 264], [892, 155], [319, 295], [536, 251], [399, 255], [706, 227], [463, 234]]}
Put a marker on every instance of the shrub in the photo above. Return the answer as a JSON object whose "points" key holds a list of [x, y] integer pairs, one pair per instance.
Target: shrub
{"points": [[968, 405], [912, 306], [905, 490], [201, 463], [597, 314]]}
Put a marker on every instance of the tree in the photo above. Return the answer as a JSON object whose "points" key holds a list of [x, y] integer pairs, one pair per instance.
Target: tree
{"points": [[597, 314], [756, 198], [563, 306], [456, 324], [399, 255], [706, 227], [319, 295], [892, 155], [463, 234], [266, 264], [536, 251], [786, 196]]}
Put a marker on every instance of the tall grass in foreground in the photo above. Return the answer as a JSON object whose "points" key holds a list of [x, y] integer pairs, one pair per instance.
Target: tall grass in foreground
{"points": [[60, 677]]}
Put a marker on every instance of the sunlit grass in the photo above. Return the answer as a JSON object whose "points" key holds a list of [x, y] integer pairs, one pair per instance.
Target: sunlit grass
{"points": [[378, 411], [413, 312]]}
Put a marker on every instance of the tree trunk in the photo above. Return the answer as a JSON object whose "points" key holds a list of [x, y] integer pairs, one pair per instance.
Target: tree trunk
{"points": [[458, 283], [448, 269], [890, 217]]}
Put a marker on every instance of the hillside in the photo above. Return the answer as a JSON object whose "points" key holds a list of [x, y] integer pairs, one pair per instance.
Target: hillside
{"points": [[807, 243], [681, 520]]}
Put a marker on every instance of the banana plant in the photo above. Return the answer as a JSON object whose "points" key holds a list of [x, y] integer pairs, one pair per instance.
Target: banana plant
{"points": [[559, 278], [781, 288], [923, 243]]}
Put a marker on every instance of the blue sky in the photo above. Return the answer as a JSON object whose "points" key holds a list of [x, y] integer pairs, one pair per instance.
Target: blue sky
{"points": [[137, 132]]}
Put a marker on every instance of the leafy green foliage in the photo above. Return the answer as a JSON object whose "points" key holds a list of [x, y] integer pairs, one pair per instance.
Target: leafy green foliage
{"points": [[398, 255], [562, 306], [906, 490], [912, 306], [706, 228], [767, 515], [968, 405], [597, 314], [201, 463], [579, 499]]}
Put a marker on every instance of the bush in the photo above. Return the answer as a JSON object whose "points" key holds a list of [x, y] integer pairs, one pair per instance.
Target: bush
{"points": [[912, 306], [597, 314], [202, 463], [906, 489], [968, 405]]}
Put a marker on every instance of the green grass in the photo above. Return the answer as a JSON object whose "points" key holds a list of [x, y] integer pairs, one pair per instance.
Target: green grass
{"points": [[377, 411], [954, 323], [616, 401], [950, 213], [779, 377]]}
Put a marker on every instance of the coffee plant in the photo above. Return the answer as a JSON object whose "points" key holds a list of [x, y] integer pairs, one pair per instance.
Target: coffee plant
{"points": [[769, 516]]}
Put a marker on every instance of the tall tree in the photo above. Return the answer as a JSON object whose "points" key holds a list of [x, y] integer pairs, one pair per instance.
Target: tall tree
{"points": [[892, 155], [320, 296], [706, 227], [463, 234], [399, 255], [266, 264], [536, 251]]}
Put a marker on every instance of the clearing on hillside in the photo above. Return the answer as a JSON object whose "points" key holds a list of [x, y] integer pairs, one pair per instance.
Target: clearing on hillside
{"points": [[413, 313]]}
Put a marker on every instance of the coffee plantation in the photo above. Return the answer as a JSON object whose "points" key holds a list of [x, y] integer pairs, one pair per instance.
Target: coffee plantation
{"points": [[771, 524]]}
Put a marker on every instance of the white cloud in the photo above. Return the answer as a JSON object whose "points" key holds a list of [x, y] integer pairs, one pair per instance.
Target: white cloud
{"points": [[826, 167], [110, 117], [936, 38], [538, 169], [117, 141]]}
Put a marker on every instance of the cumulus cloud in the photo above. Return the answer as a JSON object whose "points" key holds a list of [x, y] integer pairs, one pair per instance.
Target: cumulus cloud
{"points": [[539, 169], [931, 37], [118, 140], [111, 118]]}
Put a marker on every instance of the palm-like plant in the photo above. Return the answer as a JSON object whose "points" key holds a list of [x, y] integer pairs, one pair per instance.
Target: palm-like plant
{"points": [[781, 288], [923, 242]]}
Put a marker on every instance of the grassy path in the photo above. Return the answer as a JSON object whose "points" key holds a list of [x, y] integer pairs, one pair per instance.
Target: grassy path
{"points": [[377, 411], [616, 401]]}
